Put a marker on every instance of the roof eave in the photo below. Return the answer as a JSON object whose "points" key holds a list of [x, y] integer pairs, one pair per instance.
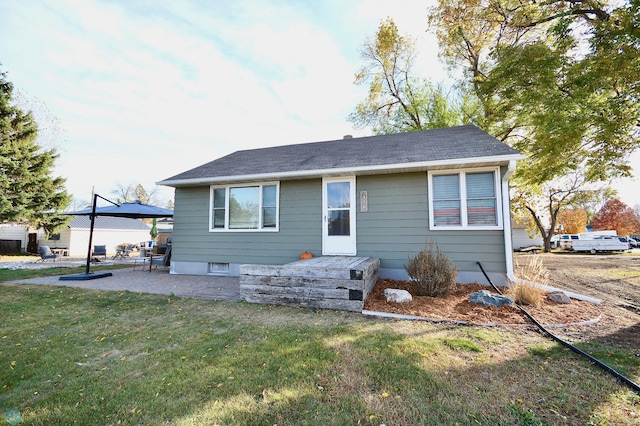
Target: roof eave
{"points": [[347, 171]]}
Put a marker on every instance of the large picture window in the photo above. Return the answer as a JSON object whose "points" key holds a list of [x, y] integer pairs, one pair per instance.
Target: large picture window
{"points": [[464, 199], [244, 208]]}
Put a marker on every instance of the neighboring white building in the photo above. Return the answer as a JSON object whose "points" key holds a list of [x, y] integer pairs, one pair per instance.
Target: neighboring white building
{"points": [[521, 238], [14, 237], [109, 231]]}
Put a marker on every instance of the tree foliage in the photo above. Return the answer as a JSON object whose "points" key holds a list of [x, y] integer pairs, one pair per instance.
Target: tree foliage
{"points": [[593, 200], [130, 193], [29, 193], [547, 200], [50, 131], [616, 215], [574, 221], [558, 80], [398, 101]]}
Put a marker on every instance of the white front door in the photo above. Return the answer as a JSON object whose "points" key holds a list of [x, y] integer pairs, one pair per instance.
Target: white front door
{"points": [[339, 216]]}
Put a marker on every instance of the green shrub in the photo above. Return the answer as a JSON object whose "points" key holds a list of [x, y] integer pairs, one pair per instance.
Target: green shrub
{"points": [[432, 270]]}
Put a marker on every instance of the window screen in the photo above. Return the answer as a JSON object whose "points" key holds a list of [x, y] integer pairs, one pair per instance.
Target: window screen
{"points": [[446, 200], [481, 199]]}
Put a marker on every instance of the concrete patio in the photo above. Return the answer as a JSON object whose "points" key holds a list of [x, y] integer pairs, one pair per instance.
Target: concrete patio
{"points": [[158, 281]]}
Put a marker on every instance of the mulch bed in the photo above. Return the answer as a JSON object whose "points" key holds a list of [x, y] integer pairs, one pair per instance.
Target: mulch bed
{"points": [[457, 307]]}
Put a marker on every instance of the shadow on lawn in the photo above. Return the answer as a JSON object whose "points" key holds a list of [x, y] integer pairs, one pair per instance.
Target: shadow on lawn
{"points": [[387, 378], [120, 357]]}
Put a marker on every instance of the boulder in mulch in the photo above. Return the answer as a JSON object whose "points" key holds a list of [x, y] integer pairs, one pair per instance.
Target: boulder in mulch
{"points": [[559, 297], [486, 298], [397, 296]]}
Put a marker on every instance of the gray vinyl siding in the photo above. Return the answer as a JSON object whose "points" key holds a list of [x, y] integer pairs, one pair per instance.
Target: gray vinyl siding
{"points": [[300, 228], [396, 226]]}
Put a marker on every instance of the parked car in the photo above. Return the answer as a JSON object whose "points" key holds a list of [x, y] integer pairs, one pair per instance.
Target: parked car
{"points": [[634, 243]]}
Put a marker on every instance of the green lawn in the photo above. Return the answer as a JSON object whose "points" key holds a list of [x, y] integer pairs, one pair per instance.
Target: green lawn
{"points": [[74, 356]]}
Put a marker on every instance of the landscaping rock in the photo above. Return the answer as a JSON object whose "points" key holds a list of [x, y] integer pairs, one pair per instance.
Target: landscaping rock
{"points": [[397, 296], [559, 297], [486, 298]]}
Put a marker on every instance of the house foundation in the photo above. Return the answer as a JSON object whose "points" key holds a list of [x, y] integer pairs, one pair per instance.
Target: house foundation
{"points": [[328, 282]]}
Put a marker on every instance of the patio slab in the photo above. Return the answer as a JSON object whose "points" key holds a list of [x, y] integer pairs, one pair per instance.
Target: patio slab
{"points": [[156, 282]]}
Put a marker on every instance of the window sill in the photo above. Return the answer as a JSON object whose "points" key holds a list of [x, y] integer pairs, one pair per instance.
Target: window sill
{"points": [[466, 228], [243, 230]]}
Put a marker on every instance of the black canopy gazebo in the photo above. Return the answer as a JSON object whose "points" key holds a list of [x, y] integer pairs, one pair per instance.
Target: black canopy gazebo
{"points": [[136, 210]]}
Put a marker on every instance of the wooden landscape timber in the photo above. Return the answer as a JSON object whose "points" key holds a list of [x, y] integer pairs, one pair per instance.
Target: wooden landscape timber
{"points": [[320, 282]]}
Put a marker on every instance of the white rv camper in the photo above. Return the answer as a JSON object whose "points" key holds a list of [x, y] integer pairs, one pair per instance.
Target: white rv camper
{"points": [[600, 243]]}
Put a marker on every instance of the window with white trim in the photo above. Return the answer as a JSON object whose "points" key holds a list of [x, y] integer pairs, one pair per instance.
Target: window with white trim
{"points": [[252, 207], [464, 199]]}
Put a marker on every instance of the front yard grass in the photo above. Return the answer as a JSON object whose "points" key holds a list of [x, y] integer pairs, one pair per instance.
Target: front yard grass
{"points": [[75, 356]]}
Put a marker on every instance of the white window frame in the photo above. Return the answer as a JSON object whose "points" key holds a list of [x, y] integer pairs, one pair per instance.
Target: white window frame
{"points": [[462, 173], [227, 188], [218, 269]]}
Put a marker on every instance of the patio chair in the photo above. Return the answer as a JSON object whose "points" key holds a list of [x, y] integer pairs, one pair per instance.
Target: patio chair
{"points": [[128, 249], [123, 251], [99, 251], [164, 261], [46, 253]]}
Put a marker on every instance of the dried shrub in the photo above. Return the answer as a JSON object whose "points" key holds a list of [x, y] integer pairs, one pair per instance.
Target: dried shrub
{"points": [[432, 270], [534, 271], [528, 294]]}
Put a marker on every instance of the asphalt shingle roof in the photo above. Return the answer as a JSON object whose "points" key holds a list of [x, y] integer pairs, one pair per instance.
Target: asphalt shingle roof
{"points": [[106, 222], [463, 142]]}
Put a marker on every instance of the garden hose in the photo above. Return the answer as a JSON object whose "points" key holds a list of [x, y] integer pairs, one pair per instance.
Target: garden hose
{"points": [[599, 363]]}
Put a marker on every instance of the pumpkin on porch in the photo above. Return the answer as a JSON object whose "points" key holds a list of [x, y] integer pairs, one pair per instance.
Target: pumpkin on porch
{"points": [[306, 255]]}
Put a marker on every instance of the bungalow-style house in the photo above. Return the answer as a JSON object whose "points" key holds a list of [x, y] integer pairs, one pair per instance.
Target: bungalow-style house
{"points": [[379, 196]]}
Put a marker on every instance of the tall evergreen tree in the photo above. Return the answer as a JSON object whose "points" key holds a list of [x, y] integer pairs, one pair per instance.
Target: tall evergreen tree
{"points": [[28, 191]]}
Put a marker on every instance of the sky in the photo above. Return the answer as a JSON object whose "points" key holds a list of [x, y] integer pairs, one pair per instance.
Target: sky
{"points": [[138, 91]]}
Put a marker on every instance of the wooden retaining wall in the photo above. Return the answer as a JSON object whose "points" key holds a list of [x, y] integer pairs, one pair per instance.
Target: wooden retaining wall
{"points": [[321, 282]]}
